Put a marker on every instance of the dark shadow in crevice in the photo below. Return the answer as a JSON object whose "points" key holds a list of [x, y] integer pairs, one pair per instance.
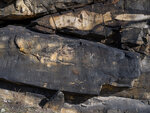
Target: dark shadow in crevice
{"points": [[6, 3], [72, 98], [113, 40], [22, 22], [109, 90]]}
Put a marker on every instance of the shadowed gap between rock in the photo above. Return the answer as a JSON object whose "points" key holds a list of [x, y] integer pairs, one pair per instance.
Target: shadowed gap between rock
{"points": [[72, 98]]}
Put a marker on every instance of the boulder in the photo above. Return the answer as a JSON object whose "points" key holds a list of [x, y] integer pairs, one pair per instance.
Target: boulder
{"points": [[108, 105], [59, 63]]}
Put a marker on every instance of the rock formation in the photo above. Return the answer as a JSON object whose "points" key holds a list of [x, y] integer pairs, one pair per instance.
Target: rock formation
{"points": [[88, 47]]}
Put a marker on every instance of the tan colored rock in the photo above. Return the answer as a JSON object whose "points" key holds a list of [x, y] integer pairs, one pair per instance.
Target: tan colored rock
{"points": [[67, 110], [132, 17], [22, 7], [24, 98], [83, 20]]}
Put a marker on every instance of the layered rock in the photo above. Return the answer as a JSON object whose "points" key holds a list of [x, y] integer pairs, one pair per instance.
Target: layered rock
{"points": [[108, 105], [105, 23], [65, 64], [21, 9], [94, 105], [51, 52], [136, 37]]}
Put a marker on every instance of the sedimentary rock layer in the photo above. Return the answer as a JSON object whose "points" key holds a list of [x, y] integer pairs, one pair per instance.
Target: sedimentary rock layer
{"points": [[97, 21], [108, 105], [136, 37], [21, 9], [66, 64]]}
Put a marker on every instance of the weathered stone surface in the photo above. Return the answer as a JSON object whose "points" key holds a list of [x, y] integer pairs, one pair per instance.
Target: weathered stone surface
{"points": [[96, 20], [140, 90], [29, 99], [21, 9], [140, 87], [136, 37], [108, 105], [139, 5], [65, 64], [82, 22], [146, 64], [58, 58], [93, 105], [56, 102]]}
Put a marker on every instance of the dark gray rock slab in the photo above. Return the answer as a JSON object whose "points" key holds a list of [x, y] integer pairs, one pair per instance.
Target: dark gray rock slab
{"points": [[60, 63], [136, 37]]}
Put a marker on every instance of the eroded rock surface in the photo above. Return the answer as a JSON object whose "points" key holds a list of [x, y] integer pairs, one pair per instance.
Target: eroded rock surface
{"points": [[65, 64], [136, 37], [108, 105], [21, 9], [94, 105], [106, 23], [79, 47]]}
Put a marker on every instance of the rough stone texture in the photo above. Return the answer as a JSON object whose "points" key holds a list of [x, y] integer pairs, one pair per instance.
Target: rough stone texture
{"points": [[45, 48], [90, 20], [56, 103], [140, 90], [101, 22], [66, 64], [108, 105], [93, 105], [21, 9], [136, 37]]}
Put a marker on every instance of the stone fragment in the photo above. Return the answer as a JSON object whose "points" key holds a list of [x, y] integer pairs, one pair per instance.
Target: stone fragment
{"points": [[140, 89], [108, 105], [56, 102], [80, 23], [59, 63], [132, 17], [145, 64], [136, 37]]}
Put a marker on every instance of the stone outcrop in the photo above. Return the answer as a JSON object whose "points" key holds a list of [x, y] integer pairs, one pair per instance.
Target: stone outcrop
{"points": [[96, 19], [21, 9], [108, 105], [65, 64], [79, 47]]}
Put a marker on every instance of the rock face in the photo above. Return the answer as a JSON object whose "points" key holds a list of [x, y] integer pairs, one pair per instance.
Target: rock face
{"points": [[84, 47], [21, 9], [65, 64], [96, 19], [140, 90], [108, 105]]}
